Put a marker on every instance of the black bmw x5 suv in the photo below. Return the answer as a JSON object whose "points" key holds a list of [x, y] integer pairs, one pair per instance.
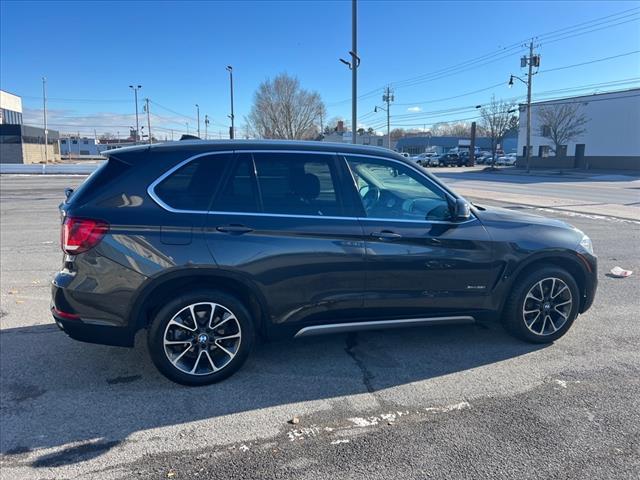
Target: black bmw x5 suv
{"points": [[210, 245]]}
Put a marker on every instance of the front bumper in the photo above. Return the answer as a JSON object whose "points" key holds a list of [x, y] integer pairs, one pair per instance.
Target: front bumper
{"points": [[591, 281]]}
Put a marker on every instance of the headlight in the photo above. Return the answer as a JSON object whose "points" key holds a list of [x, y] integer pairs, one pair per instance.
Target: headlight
{"points": [[586, 244]]}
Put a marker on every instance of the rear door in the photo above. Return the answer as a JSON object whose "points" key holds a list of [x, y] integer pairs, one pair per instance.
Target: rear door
{"points": [[282, 221], [419, 260]]}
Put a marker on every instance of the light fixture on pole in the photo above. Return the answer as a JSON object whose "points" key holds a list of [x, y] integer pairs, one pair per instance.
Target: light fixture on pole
{"points": [[232, 116], [135, 95]]}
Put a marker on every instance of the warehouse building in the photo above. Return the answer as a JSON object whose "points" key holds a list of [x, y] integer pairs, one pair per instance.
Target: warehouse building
{"points": [[608, 124], [23, 143]]}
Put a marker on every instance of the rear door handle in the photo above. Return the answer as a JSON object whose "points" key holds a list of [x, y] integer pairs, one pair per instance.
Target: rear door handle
{"points": [[234, 229], [386, 234]]}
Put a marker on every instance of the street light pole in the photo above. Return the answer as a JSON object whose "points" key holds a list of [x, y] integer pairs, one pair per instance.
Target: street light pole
{"points": [[232, 130], [44, 105], [355, 61], [135, 94], [198, 110]]}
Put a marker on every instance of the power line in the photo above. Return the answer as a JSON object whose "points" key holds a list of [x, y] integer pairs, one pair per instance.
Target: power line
{"points": [[500, 54], [589, 62]]}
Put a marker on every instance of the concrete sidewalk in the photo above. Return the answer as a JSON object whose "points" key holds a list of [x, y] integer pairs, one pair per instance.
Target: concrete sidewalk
{"points": [[614, 210], [612, 175]]}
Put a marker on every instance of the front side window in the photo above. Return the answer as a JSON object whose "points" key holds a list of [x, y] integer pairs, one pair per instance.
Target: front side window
{"points": [[391, 190], [191, 187], [297, 184]]}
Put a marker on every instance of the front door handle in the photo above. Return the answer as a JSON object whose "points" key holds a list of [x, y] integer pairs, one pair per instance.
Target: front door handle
{"points": [[386, 235], [234, 229]]}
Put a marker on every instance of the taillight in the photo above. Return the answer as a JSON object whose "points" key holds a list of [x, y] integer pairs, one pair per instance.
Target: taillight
{"points": [[81, 234]]}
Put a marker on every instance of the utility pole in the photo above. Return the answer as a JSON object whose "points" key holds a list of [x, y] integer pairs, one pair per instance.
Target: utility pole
{"points": [[198, 115], [146, 107], [530, 61], [472, 145], [135, 94], [44, 109], [232, 116], [529, 77], [355, 62], [206, 126], [388, 97]]}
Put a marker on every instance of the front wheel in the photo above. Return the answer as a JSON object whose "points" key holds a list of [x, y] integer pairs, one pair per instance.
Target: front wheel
{"points": [[201, 338], [542, 306]]}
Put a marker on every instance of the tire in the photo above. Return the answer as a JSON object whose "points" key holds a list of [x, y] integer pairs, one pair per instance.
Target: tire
{"points": [[546, 320], [225, 347]]}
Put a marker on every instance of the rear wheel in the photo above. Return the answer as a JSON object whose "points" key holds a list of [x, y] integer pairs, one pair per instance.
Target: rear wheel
{"points": [[201, 337], [542, 306]]}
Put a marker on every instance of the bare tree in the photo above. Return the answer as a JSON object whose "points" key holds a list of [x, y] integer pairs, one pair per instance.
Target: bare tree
{"points": [[497, 119], [561, 123], [281, 109]]}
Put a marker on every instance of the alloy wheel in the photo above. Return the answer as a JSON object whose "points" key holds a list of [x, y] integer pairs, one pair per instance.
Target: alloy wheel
{"points": [[202, 338], [547, 306]]}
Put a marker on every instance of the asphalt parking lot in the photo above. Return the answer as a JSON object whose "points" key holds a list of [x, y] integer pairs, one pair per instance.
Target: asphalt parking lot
{"points": [[440, 402]]}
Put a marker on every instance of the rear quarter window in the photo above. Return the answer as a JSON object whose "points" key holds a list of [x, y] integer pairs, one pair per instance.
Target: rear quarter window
{"points": [[106, 173], [192, 186]]}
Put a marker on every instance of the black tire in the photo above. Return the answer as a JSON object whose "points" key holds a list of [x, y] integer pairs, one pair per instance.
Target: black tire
{"points": [[158, 328], [513, 316]]}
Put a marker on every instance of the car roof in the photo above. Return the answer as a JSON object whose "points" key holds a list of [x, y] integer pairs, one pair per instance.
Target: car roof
{"points": [[214, 145]]}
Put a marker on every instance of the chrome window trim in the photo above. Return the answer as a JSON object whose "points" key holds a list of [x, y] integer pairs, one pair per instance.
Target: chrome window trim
{"points": [[151, 190]]}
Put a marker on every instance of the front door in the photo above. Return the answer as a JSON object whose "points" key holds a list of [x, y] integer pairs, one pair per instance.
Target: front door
{"points": [[419, 260], [281, 220]]}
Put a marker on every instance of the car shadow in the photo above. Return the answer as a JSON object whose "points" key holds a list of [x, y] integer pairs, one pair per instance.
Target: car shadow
{"points": [[89, 398]]}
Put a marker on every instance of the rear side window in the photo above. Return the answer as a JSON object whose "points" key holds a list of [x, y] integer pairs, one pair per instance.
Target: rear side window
{"points": [[298, 184], [191, 186], [239, 193]]}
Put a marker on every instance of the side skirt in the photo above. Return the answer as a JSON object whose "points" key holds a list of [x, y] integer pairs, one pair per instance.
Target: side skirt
{"points": [[380, 325]]}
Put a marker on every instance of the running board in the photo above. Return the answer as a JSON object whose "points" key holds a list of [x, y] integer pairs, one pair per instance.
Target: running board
{"points": [[379, 325]]}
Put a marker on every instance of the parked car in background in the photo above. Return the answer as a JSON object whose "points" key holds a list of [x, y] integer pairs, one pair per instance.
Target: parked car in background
{"points": [[506, 160], [212, 245], [425, 159], [448, 160], [484, 158], [464, 159]]}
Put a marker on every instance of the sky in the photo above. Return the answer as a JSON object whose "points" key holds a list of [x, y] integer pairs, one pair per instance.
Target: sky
{"points": [[428, 52]]}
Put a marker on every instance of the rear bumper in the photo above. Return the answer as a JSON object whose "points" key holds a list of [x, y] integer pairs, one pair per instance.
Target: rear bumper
{"points": [[94, 333]]}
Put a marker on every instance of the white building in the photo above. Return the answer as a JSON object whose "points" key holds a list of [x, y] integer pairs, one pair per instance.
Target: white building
{"points": [[611, 138], [78, 147]]}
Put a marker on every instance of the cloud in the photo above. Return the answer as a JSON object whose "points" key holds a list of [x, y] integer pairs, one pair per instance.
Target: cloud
{"points": [[414, 109], [69, 122]]}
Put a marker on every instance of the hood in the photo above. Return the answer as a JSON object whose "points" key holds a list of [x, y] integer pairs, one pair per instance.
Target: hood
{"points": [[496, 214]]}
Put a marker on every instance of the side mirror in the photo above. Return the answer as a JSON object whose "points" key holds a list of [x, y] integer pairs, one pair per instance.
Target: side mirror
{"points": [[461, 210]]}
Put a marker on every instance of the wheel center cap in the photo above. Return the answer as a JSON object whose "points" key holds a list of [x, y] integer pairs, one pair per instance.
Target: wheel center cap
{"points": [[547, 306], [202, 338]]}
